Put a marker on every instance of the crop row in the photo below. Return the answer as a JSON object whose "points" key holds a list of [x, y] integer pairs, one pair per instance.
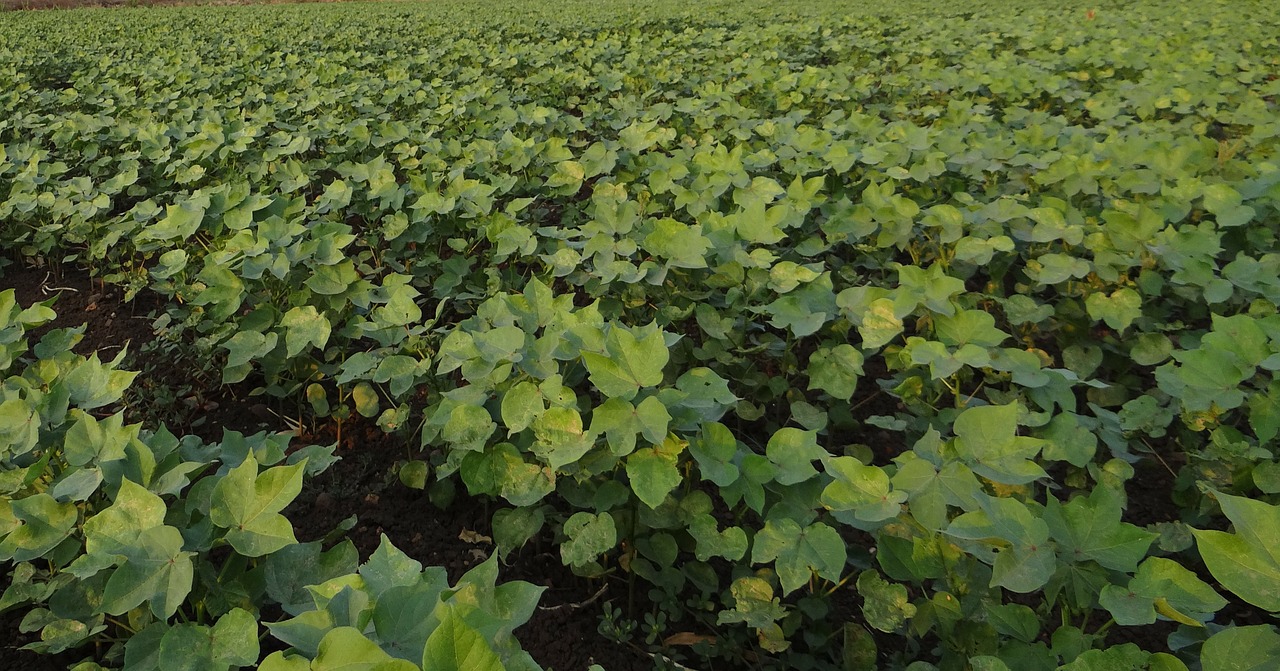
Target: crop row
{"points": [[758, 306]]}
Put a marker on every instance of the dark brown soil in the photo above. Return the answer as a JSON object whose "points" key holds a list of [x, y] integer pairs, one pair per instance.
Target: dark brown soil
{"points": [[112, 324], [559, 636], [170, 388]]}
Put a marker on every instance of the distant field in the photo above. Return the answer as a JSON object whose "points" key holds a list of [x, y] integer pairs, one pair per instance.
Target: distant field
{"points": [[14, 5], [813, 335]]}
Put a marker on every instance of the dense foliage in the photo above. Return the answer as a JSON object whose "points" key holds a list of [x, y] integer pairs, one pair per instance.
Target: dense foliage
{"points": [[754, 305]]}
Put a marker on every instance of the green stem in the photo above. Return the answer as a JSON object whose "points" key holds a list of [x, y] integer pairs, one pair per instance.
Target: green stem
{"points": [[122, 625]]}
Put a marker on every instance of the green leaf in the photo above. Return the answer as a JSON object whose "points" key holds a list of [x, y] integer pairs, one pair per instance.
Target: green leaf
{"points": [[620, 422], [1016, 620], [1241, 335], [986, 438], [513, 527], [456, 646], [835, 370], [969, 327], [1248, 561], [558, 437], [930, 491], [231, 642], [712, 542], [879, 324], [1225, 203], [798, 553], [469, 427], [180, 221], [154, 569], [90, 441], [142, 650], [405, 616], [1056, 268], [987, 663], [516, 480], [714, 450], [1264, 412], [1165, 586], [413, 474], [1090, 528], [755, 605], [366, 400], [1125, 656], [1205, 377], [521, 405], [304, 327], [1067, 440], [631, 362], [1255, 648], [247, 505], [45, 523], [589, 536], [1118, 310], [1024, 559], [346, 649], [653, 475], [1150, 349], [245, 346], [861, 489], [683, 246], [93, 384], [114, 530], [288, 571], [389, 567], [333, 280], [885, 605], [793, 452], [279, 661], [804, 310], [785, 276]]}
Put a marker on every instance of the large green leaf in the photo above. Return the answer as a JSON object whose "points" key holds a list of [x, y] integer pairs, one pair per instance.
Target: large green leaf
{"points": [[456, 646], [44, 524], [864, 490], [629, 363], [885, 605], [835, 370], [799, 552], [1024, 560], [1090, 528], [114, 530], [652, 472], [247, 504], [1246, 562], [1255, 648], [559, 437], [793, 452], [1118, 310], [986, 438], [304, 327], [620, 422], [289, 570], [521, 405], [714, 450], [155, 569], [346, 649], [232, 642], [589, 536]]}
